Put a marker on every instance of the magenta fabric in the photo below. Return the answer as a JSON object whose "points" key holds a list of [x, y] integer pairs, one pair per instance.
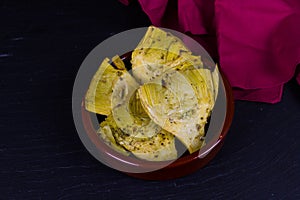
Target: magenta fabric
{"points": [[259, 45], [257, 41], [298, 75], [155, 9]]}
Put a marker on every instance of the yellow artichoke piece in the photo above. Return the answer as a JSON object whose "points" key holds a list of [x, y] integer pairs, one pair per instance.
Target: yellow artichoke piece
{"points": [[215, 78], [98, 96], [156, 38], [200, 81], [118, 62], [127, 111], [204, 82], [159, 51], [159, 147], [106, 133], [173, 104]]}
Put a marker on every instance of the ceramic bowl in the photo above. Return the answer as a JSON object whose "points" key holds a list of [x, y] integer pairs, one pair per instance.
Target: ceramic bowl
{"points": [[185, 164]]}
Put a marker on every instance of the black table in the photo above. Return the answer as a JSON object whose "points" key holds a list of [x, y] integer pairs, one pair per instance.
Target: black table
{"points": [[42, 45]]}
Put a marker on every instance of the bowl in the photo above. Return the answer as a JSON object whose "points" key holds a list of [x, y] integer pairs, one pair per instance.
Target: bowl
{"points": [[185, 164]]}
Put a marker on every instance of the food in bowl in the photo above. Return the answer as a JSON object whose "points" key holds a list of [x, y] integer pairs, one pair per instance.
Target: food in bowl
{"points": [[165, 95]]}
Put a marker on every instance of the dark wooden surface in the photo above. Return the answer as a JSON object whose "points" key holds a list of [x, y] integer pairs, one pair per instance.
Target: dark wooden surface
{"points": [[42, 45]]}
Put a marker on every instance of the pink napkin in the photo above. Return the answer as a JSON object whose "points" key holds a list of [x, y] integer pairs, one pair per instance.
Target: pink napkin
{"points": [[257, 41], [259, 45]]}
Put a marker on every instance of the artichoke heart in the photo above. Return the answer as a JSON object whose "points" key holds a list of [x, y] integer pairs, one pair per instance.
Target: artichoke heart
{"points": [[118, 62], [98, 96], [159, 147], [127, 111], [215, 78], [172, 103], [204, 81], [158, 52], [106, 133]]}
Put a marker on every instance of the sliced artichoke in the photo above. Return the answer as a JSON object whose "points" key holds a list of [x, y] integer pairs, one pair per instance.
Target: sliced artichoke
{"points": [[98, 96], [173, 104], [106, 133], [159, 147], [159, 51], [155, 42], [201, 82], [215, 78], [204, 82], [127, 111], [118, 62]]}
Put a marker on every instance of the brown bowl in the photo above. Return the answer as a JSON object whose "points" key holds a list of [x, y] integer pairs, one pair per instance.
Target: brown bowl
{"points": [[184, 165]]}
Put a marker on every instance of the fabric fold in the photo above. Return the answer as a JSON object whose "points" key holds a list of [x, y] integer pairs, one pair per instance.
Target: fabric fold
{"points": [[257, 41]]}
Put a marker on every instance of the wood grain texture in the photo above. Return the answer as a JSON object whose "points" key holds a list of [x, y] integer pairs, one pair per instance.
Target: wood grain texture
{"points": [[41, 156]]}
